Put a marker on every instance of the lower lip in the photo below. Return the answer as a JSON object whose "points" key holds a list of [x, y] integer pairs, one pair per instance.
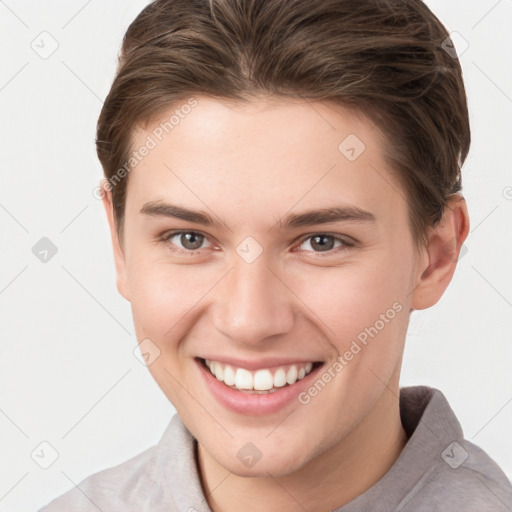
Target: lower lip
{"points": [[253, 403]]}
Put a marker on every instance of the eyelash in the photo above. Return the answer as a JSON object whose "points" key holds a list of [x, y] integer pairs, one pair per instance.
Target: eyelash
{"points": [[167, 236]]}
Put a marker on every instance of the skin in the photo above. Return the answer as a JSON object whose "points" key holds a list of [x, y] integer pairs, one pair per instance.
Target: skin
{"points": [[249, 165]]}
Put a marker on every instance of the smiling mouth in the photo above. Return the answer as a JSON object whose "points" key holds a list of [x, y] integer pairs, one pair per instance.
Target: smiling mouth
{"points": [[261, 381]]}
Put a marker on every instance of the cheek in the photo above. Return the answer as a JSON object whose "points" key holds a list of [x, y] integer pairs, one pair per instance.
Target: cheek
{"points": [[166, 300], [352, 296], [163, 300], [361, 309]]}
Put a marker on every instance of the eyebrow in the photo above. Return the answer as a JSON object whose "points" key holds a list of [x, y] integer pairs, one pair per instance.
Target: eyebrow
{"points": [[295, 220]]}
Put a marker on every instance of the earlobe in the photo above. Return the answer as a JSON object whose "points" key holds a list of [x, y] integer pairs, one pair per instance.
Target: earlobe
{"points": [[444, 246], [119, 255]]}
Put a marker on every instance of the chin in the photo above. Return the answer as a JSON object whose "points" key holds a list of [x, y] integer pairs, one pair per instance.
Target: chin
{"points": [[278, 464]]}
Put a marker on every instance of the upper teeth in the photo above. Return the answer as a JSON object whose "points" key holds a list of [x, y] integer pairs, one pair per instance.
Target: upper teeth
{"points": [[260, 380]]}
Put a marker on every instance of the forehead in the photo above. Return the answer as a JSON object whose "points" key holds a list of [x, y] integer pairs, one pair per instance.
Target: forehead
{"points": [[271, 155]]}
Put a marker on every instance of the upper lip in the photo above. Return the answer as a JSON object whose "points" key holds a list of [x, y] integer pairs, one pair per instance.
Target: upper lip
{"points": [[256, 364]]}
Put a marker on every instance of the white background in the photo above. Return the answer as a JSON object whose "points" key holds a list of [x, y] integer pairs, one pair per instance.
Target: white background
{"points": [[67, 372]]}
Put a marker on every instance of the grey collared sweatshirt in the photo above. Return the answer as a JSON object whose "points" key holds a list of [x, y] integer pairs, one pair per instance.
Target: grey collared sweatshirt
{"points": [[438, 470]]}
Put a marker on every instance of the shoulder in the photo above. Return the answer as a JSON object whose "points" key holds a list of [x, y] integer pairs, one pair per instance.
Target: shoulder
{"points": [[113, 488], [465, 478], [151, 480], [440, 469]]}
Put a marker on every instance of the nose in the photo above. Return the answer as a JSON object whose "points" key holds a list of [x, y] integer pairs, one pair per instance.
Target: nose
{"points": [[253, 303]]}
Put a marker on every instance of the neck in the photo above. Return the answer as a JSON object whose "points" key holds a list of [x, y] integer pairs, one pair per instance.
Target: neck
{"points": [[330, 481]]}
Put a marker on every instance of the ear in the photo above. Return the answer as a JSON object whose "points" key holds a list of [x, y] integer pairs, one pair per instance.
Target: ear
{"points": [[119, 256], [441, 254]]}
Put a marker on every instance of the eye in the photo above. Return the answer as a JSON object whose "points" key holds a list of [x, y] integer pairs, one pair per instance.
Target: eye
{"points": [[325, 242], [190, 241]]}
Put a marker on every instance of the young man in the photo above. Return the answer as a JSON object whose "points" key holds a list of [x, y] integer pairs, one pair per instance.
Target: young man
{"points": [[283, 189]]}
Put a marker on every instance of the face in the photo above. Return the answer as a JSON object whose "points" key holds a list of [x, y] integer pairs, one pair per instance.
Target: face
{"points": [[270, 242]]}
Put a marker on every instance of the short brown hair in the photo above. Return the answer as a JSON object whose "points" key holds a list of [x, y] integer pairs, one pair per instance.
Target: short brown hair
{"points": [[384, 58]]}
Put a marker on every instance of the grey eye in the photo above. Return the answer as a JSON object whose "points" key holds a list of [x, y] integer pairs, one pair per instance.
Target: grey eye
{"points": [[322, 242], [189, 240]]}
